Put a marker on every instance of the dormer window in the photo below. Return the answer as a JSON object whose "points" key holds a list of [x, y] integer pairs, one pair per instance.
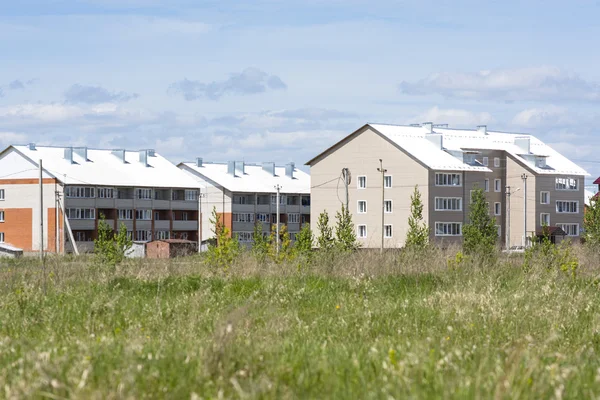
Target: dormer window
{"points": [[540, 162], [469, 158]]}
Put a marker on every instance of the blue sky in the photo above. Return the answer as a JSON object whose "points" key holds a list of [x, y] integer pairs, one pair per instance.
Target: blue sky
{"points": [[282, 80]]}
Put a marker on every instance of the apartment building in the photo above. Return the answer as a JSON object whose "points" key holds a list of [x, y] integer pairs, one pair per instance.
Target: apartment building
{"points": [[141, 189], [245, 194], [517, 171]]}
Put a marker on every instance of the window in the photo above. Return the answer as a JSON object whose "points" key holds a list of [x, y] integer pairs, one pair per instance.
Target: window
{"points": [[567, 184], [185, 216], [244, 236], [144, 194], [1, 216], [387, 231], [570, 229], [162, 235], [292, 200], [497, 185], [239, 217], [191, 195], [497, 209], [448, 229], [156, 216], [496, 162], [83, 236], [306, 201], [469, 158], [442, 179], [486, 185], [571, 207], [305, 218], [387, 206], [362, 231], [81, 213], [125, 214], [362, 182], [499, 230], [106, 193], [143, 215], [1, 194], [282, 199], [143, 235], [545, 219], [540, 162], [448, 204], [263, 217], [1, 237], [184, 235], [293, 218], [387, 181], [485, 161], [81, 192], [544, 197], [239, 200], [362, 207]]}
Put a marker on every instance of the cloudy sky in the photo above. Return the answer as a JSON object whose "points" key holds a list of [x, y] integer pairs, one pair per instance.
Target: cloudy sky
{"points": [[280, 80]]}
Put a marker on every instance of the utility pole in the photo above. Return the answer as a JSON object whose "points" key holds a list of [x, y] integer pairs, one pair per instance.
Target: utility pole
{"points": [[42, 224], [508, 193], [346, 175], [383, 171], [524, 177], [277, 219]]}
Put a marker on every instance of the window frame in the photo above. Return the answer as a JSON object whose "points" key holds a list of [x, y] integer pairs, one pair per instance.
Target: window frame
{"points": [[385, 183], [542, 219], [358, 178], [295, 219], [358, 207], [569, 202], [385, 203], [497, 208], [486, 185], [2, 194], [385, 233], [485, 161], [2, 238], [2, 216], [542, 197], [496, 162], [459, 224], [448, 200], [497, 185], [562, 225], [448, 178], [358, 235], [566, 182]]}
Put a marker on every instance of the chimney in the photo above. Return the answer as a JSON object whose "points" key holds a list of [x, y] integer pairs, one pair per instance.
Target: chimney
{"points": [[231, 168], [289, 170], [269, 167], [437, 139], [523, 143], [31, 146], [143, 156], [482, 129], [69, 154], [120, 154], [240, 167], [81, 151], [151, 153], [198, 161], [428, 127]]}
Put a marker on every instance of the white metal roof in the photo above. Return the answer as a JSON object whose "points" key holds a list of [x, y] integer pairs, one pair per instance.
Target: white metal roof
{"points": [[253, 180], [414, 140], [9, 247], [104, 168]]}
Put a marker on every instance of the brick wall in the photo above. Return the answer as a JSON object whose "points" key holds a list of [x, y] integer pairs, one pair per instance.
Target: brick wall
{"points": [[17, 227]]}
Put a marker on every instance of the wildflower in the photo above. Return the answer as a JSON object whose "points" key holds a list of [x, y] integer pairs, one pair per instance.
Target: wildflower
{"points": [[337, 307], [447, 337]]}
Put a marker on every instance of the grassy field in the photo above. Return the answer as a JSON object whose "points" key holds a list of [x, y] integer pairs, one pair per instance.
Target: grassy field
{"points": [[363, 326]]}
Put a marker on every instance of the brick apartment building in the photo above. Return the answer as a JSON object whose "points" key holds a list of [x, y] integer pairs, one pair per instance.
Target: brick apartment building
{"points": [[447, 164], [141, 189], [244, 194]]}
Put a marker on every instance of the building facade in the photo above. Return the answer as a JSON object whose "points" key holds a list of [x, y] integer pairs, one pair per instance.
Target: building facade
{"points": [[245, 194], [140, 190], [447, 165]]}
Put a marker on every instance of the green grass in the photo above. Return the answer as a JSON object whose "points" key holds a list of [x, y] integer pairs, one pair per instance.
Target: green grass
{"points": [[364, 327]]}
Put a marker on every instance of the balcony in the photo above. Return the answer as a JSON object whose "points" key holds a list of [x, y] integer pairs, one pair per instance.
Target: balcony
{"points": [[163, 225], [82, 224], [185, 225]]}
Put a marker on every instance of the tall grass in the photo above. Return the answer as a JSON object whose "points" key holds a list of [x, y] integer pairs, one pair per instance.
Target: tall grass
{"points": [[349, 326]]}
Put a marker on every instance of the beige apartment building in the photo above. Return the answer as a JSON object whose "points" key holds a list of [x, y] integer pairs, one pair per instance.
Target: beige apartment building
{"points": [[140, 189], [244, 194], [447, 164]]}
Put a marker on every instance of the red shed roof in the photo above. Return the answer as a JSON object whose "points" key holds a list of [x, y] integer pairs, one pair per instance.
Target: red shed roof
{"points": [[597, 181]]}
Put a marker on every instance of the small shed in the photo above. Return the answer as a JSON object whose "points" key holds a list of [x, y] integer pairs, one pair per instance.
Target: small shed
{"points": [[555, 233], [137, 250], [170, 248], [6, 250]]}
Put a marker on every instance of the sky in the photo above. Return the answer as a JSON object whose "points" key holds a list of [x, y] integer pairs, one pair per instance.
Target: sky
{"points": [[281, 81]]}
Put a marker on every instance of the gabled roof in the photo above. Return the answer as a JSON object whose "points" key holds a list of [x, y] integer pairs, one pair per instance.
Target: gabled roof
{"points": [[253, 180], [421, 144], [597, 181], [589, 195], [104, 168]]}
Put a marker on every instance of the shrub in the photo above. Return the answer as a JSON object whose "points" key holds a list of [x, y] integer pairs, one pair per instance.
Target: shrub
{"points": [[345, 236], [480, 234], [417, 237], [325, 239], [224, 252], [110, 248]]}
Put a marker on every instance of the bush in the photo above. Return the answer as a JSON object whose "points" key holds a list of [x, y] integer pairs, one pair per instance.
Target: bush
{"points": [[110, 248], [480, 234], [226, 250]]}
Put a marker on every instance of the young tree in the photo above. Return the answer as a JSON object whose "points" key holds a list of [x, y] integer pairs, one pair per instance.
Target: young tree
{"points": [[325, 239], [418, 231], [304, 242], [110, 247], [591, 224], [285, 244], [223, 253], [480, 234], [260, 244], [344, 231]]}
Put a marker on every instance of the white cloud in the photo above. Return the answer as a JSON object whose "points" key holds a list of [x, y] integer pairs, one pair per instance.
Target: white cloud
{"points": [[550, 116], [40, 112], [7, 138], [453, 116], [544, 83]]}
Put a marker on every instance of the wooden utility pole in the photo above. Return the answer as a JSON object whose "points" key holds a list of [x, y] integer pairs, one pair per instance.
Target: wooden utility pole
{"points": [[346, 175], [383, 171], [524, 177], [42, 224], [277, 218]]}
